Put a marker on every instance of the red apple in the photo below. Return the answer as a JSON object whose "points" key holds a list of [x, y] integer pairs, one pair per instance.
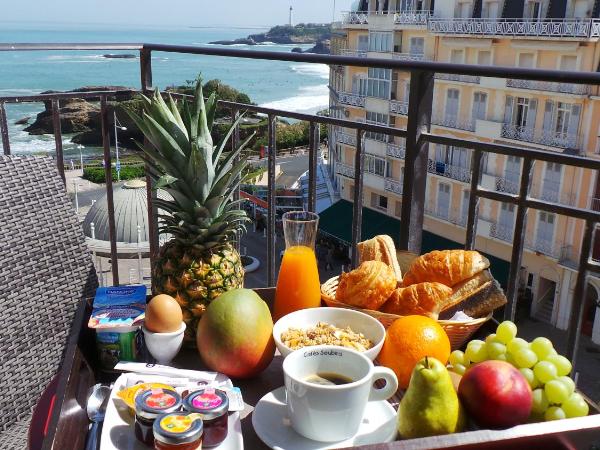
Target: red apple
{"points": [[495, 394]]}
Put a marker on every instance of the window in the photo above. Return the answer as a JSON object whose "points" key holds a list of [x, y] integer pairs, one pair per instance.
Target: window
{"points": [[552, 182], [375, 165], [443, 200], [568, 62], [363, 42], [489, 10], [535, 10], [388, 168], [379, 201], [512, 174], [563, 116], [454, 156], [582, 9], [380, 42], [507, 220], [526, 60], [417, 46], [383, 202], [464, 211], [545, 232], [377, 119], [379, 83], [479, 105], [521, 112], [484, 58], [463, 10], [561, 123], [451, 104], [456, 56], [359, 84]]}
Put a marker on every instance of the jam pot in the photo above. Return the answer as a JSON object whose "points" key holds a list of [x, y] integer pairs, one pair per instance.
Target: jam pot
{"points": [[178, 431], [213, 406], [149, 404]]}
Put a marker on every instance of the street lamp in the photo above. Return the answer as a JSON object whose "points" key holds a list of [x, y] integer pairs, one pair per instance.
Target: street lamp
{"points": [[122, 128], [80, 147]]}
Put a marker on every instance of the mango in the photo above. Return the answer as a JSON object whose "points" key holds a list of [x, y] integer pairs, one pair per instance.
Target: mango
{"points": [[235, 334]]}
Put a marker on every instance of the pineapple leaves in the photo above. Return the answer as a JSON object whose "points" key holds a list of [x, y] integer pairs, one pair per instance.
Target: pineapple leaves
{"points": [[164, 181], [223, 142], [211, 110]]}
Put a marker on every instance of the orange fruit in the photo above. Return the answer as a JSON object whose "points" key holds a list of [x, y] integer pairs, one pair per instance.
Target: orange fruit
{"points": [[408, 340]]}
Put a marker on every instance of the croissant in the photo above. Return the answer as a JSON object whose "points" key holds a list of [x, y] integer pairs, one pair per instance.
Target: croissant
{"points": [[380, 248], [448, 267], [368, 286], [425, 299]]}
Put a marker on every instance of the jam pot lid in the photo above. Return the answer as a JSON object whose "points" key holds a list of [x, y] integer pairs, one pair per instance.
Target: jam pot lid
{"points": [[178, 427], [211, 403], [152, 402]]}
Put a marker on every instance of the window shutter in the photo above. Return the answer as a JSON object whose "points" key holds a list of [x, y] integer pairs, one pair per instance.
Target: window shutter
{"points": [[508, 111], [531, 114], [548, 114], [574, 120]]}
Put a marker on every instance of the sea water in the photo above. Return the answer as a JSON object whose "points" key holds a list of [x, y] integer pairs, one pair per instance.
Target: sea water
{"points": [[284, 85]]}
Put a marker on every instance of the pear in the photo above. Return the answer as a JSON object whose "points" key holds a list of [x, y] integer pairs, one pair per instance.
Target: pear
{"points": [[430, 405]]}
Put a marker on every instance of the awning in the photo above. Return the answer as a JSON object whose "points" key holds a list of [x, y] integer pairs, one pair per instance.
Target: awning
{"points": [[336, 222]]}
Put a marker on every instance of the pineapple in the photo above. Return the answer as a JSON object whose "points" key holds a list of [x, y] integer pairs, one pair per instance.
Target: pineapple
{"points": [[199, 262]]}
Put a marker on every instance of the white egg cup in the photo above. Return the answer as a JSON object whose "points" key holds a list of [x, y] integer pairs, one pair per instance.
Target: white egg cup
{"points": [[164, 346]]}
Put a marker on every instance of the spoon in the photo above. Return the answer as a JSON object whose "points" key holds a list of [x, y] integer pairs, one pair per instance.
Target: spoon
{"points": [[96, 407]]}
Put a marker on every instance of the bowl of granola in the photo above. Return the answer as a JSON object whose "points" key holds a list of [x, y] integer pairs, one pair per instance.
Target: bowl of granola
{"points": [[329, 326]]}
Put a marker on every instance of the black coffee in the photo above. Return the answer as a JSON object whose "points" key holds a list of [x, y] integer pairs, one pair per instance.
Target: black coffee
{"points": [[328, 378]]}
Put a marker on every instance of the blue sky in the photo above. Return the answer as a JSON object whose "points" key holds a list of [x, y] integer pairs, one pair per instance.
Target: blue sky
{"points": [[172, 12]]}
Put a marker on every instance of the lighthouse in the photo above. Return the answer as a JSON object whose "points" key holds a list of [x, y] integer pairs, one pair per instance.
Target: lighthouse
{"points": [[291, 12]]}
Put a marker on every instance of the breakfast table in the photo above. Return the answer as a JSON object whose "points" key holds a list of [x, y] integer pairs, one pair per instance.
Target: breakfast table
{"points": [[67, 422]]}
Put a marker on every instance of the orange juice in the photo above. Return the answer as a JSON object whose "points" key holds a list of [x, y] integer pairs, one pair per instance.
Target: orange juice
{"points": [[298, 284]]}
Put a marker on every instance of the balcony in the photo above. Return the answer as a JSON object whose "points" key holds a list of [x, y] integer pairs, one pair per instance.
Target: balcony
{"points": [[416, 18], [346, 98], [345, 170], [564, 88], [551, 191], [355, 18], [355, 53], [561, 28], [502, 232], [455, 121], [449, 171], [539, 136], [446, 214], [345, 138], [396, 151], [399, 107], [459, 78], [393, 186], [409, 56]]}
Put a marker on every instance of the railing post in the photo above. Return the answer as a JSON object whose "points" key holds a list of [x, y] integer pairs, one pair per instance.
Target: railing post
{"points": [[271, 238], [512, 291], [313, 144], [473, 201], [415, 180], [109, 190], [58, 139], [235, 142], [579, 295], [4, 130], [146, 69], [359, 161]]}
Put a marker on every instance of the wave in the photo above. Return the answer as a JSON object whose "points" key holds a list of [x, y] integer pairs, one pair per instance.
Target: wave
{"points": [[314, 70], [20, 91], [70, 57], [311, 100]]}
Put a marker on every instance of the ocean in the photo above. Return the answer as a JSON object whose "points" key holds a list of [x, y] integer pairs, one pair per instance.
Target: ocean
{"points": [[286, 85]]}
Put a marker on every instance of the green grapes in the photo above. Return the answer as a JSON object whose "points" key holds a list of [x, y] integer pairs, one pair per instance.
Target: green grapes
{"points": [[525, 358], [545, 371], [516, 344], [575, 406], [530, 377], [459, 369], [476, 351], [506, 331], [568, 382], [540, 401], [542, 347], [554, 413], [563, 365], [495, 349], [556, 391], [456, 357]]}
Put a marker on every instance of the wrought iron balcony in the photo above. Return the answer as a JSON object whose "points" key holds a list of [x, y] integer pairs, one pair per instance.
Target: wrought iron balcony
{"points": [[345, 138], [566, 28], [395, 150], [415, 18], [502, 232], [356, 53], [345, 170], [394, 186], [347, 98], [506, 185], [565, 88], [409, 56], [399, 107], [539, 136], [355, 18], [550, 190], [453, 121], [459, 78], [445, 213], [448, 170]]}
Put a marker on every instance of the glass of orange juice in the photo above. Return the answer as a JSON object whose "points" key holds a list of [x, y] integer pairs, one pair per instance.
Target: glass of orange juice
{"points": [[298, 284]]}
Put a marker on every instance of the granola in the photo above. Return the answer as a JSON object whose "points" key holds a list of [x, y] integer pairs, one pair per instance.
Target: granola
{"points": [[324, 333]]}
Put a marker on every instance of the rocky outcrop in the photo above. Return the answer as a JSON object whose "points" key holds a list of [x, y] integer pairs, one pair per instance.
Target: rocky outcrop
{"points": [[23, 120], [299, 34], [241, 41], [321, 48]]}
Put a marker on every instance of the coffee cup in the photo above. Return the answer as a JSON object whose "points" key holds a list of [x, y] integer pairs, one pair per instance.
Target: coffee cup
{"points": [[332, 411]]}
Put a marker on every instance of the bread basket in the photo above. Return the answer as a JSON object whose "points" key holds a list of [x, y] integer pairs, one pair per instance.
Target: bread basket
{"points": [[458, 332]]}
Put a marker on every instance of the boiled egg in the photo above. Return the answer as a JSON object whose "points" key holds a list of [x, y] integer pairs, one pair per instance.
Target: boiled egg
{"points": [[163, 314]]}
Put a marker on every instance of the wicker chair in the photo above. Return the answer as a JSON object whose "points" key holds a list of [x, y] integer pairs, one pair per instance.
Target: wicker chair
{"points": [[45, 270]]}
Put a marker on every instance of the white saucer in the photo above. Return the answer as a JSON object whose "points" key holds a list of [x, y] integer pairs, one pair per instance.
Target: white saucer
{"points": [[273, 427]]}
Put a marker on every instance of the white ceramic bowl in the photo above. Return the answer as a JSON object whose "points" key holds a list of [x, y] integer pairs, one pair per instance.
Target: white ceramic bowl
{"points": [[359, 322], [164, 346]]}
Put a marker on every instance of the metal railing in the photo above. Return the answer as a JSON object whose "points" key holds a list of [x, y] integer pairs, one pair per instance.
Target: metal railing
{"points": [[418, 137], [539, 136], [457, 121], [409, 56], [357, 53], [347, 98], [397, 151], [415, 17], [399, 107], [394, 186], [565, 28], [449, 171], [459, 78], [565, 88]]}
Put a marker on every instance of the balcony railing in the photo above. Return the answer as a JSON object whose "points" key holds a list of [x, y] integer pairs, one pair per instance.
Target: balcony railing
{"points": [[346, 98], [399, 107], [539, 136], [453, 121], [393, 186], [418, 18], [506, 185], [448, 170], [445, 213], [409, 56], [396, 151], [418, 137], [356, 53], [355, 18], [502, 232], [566, 28], [345, 138], [459, 78], [565, 88]]}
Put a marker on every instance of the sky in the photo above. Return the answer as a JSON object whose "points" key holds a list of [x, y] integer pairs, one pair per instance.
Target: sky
{"points": [[238, 13]]}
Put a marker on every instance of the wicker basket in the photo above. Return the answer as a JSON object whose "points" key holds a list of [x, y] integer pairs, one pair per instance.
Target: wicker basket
{"points": [[458, 332]]}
